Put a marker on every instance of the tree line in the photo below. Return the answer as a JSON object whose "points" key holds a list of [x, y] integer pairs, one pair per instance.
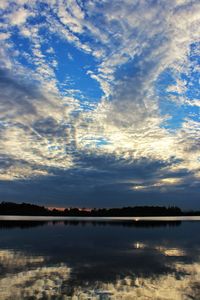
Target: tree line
{"points": [[10, 208]]}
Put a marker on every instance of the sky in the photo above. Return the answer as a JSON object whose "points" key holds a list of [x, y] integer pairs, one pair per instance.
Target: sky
{"points": [[100, 102]]}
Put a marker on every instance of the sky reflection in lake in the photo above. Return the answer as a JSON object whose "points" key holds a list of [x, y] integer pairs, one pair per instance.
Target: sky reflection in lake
{"points": [[81, 260]]}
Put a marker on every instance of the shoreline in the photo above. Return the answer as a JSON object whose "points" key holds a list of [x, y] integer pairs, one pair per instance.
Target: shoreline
{"points": [[100, 219]]}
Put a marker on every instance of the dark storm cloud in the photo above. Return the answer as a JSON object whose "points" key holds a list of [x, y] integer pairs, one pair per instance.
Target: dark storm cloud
{"points": [[100, 182]]}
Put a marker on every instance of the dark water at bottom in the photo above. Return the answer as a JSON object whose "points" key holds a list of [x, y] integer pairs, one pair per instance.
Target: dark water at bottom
{"points": [[92, 260]]}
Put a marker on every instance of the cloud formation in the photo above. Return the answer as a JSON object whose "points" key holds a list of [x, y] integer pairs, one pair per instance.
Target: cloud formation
{"points": [[91, 92]]}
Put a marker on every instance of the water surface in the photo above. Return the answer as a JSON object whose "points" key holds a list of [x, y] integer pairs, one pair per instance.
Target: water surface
{"points": [[88, 259]]}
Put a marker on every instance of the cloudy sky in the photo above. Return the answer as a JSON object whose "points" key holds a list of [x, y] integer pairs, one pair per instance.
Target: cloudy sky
{"points": [[100, 102]]}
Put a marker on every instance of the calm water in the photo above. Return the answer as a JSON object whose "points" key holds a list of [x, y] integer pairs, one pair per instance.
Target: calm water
{"points": [[100, 260]]}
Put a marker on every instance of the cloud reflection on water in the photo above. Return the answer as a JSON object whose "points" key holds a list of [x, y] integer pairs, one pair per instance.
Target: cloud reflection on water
{"points": [[29, 278], [75, 260], [164, 287]]}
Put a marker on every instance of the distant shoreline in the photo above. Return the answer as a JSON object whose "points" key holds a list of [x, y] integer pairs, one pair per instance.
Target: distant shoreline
{"points": [[22, 211], [101, 219]]}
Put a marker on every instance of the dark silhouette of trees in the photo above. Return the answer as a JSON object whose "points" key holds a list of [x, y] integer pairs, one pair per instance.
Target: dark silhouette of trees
{"points": [[9, 208], [23, 209]]}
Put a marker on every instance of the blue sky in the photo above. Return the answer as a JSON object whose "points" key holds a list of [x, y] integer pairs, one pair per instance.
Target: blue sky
{"points": [[100, 102]]}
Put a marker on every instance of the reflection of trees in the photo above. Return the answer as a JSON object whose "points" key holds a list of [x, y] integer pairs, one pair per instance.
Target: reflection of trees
{"points": [[21, 224], [132, 223], [128, 223]]}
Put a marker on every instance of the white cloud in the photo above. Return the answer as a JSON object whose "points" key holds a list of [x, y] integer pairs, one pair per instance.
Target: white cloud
{"points": [[20, 16], [133, 43], [4, 36]]}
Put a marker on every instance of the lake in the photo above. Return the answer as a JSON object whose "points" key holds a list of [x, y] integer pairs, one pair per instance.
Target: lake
{"points": [[93, 259]]}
